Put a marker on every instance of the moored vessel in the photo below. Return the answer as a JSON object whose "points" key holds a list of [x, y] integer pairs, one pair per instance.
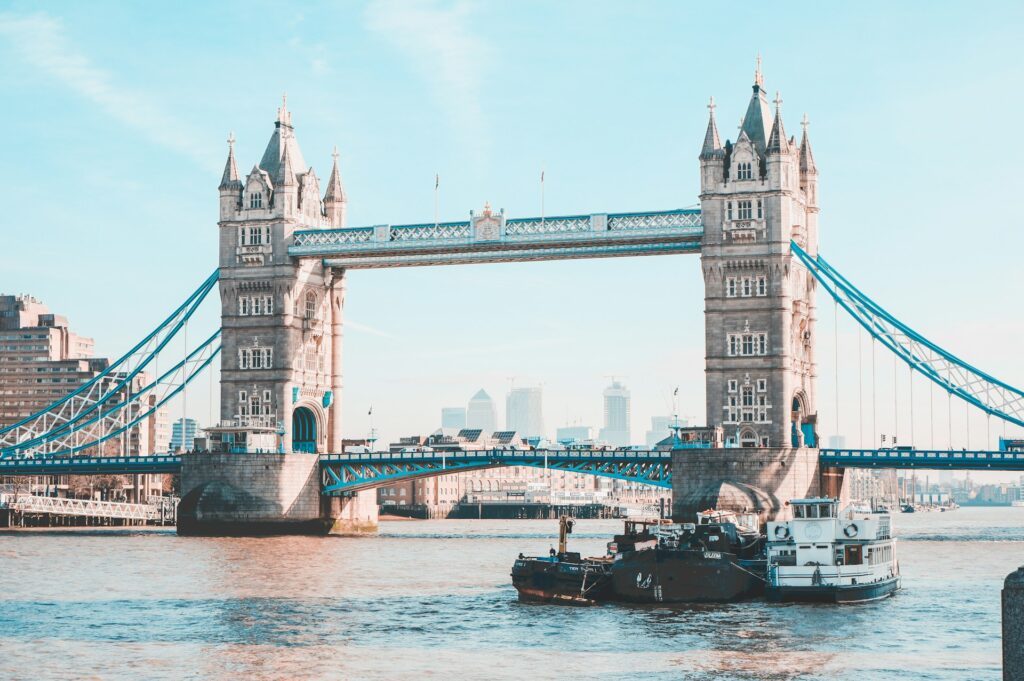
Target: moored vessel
{"points": [[562, 576], [824, 554]]}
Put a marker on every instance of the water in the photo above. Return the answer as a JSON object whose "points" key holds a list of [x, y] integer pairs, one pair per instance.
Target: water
{"points": [[433, 600]]}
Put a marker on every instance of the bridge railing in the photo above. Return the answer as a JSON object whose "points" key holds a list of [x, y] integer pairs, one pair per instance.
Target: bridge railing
{"points": [[588, 454], [924, 457]]}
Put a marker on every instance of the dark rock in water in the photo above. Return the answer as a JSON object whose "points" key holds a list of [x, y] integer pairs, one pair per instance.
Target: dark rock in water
{"points": [[1013, 626]]}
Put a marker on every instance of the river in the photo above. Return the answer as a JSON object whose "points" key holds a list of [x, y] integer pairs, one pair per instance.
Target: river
{"points": [[433, 600]]}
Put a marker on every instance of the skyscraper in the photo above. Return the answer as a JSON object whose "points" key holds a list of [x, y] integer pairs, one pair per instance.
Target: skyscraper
{"points": [[188, 441], [481, 413], [524, 412], [453, 417], [616, 415]]}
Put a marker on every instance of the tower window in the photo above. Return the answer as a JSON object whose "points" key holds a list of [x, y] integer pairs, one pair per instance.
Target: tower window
{"points": [[762, 385], [760, 209], [310, 305], [256, 200], [728, 210], [732, 386], [730, 287], [747, 344], [744, 210], [744, 171], [746, 288], [762, 286]]}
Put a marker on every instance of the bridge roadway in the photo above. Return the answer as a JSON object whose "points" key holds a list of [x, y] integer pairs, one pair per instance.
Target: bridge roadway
{"points": [[345, 473]]}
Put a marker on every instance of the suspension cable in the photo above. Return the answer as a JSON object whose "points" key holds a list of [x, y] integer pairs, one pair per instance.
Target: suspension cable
{"points": [[835, 335], [931, 410], [860, 386], [949, 416], [911, 370], [895, 400], [874, 405]]}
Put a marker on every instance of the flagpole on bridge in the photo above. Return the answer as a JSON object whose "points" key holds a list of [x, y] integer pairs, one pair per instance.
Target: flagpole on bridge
{"points": [[542, 196], [437, 185]]}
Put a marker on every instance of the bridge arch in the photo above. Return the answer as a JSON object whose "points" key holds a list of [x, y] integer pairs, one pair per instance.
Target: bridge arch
{"points": [[305, 429]]}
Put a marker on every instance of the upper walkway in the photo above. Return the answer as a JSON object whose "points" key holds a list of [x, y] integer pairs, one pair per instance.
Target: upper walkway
{"points": [[975, 460], [490, 237]]}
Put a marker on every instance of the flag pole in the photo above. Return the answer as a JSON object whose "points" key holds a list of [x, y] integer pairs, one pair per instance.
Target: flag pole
{"points": [[542, 196], [437, 184]]}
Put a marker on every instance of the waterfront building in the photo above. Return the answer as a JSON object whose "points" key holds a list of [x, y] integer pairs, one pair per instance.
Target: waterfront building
{"points": [[524, 412], [183, 434], [481, 413], [616, 415], [453, 417], [569, 434]]}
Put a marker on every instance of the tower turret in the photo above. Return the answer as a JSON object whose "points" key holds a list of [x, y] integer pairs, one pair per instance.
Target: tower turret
{"points": [[808, 170], [779, 160], [335, 201], [712, 155], [230, 184]]}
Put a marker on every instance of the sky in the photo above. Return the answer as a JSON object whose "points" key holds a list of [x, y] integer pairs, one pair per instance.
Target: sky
{"points": [[116, 116]]}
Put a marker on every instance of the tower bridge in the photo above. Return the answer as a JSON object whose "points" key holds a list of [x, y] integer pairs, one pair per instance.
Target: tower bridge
{"points": [[285, 250]]}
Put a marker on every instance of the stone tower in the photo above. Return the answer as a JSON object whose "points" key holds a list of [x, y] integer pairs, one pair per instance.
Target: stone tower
{"points": [[281, 317], [756, 195]]}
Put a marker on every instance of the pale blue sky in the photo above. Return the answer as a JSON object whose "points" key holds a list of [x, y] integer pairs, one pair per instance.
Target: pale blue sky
{"points": [[115, 117]]}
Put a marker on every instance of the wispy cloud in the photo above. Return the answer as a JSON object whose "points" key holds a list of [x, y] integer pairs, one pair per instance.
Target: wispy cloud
{"points": [[41, 41], [371, 330], [450, 56]]}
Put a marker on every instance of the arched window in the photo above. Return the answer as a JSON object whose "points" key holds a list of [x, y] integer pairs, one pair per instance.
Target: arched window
{"points": [[310, 312], [256, 200], [744, 171]]}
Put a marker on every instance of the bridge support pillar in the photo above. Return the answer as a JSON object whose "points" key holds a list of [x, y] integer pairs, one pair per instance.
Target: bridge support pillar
{"points": [[1013, 626], [747, 478], [264, 494]]}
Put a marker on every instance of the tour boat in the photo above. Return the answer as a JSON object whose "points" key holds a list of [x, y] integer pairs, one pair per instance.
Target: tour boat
{"points": [[562, 576], [718, 558], [823, 554]]}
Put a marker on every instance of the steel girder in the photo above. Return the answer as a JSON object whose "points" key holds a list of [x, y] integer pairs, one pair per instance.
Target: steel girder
{"points": [[88, 465], [343, 474], [923, 458], [947, 370]]}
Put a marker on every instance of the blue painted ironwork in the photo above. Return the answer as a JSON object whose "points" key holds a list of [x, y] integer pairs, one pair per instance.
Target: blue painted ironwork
{"points": [[68, 414], [520, 239], [940, 366], [347, 473], [88, 465], [923, 458]]}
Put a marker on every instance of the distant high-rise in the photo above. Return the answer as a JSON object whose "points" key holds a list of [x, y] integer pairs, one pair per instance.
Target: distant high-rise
{"points": [[481, 413], [570, 434], [453, 417], [616, 415], [188, 442], [524, 413]]}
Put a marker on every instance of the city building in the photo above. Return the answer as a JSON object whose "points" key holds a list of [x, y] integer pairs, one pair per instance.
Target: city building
{"points": [[187, 442], [481, 414], [616, 415], [453, 417], [661, 428], [569, 434], [524, 412]]}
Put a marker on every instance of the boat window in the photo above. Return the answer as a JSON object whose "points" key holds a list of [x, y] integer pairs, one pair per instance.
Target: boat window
{"points": [[826, 510], [812, 511], [798, 511]]}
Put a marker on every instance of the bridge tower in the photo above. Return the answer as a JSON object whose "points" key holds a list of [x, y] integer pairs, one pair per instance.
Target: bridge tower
{"points": [[281, 325], [756, 195]]}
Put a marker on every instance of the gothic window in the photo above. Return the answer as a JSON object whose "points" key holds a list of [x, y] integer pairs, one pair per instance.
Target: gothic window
{"points": [[730, 287], [256, 358], [256, 200], [762, 385], [762, 286], [762, 408], [244, 357], [744, 171], [243, 306], [733, 345], [266, 397], [760, 209], [728, 210], [310, 312], [257, 305], [744, 210], [732, 386], [748, 344], [242, 396], [764, 441], [268, 304], [311, 357], [748, 396], [746, 287], [762, 344]]}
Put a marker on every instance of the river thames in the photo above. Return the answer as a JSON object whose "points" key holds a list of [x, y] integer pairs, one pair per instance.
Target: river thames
{"points": [[433, 600]]}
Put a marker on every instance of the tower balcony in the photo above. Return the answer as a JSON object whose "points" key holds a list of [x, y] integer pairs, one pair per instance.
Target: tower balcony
{"points": [[254, 255], [745, 231]]}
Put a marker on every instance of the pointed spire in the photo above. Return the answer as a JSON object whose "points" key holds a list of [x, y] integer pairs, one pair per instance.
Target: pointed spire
{"points": [[758, 76], [335, 190], [712, 144], [229, 179], [755, 121], [777, 142], [806, 155], [283, 116], [285, 171]]}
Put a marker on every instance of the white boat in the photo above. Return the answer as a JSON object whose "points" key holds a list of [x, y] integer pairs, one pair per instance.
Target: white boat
{"points": [[824, 554]]}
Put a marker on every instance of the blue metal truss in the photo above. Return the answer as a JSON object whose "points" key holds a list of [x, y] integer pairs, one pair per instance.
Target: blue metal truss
{"points": [[88, 465], [346, 473], [940, 366], [922, 458]]}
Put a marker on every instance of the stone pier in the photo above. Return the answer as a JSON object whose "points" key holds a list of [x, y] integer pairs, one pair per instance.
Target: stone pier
{"points": [[1013, 626], [265, 494], [747, 478]]}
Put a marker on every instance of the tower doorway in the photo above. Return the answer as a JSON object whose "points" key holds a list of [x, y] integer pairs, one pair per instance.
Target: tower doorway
{"points": [[303, 430]]}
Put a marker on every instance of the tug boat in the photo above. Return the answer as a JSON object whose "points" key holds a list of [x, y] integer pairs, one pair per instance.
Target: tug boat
{"points": [[562, 576], [824, 554], [718, 558]]}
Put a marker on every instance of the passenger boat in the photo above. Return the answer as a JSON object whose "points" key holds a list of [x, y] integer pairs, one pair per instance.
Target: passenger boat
{"points": [[562, 576], [824, 554], [718, 558]]}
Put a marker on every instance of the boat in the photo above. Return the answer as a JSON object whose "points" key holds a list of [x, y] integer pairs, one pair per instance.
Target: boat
{"points": [[717, 559], [562, 576], [824, 554]]}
